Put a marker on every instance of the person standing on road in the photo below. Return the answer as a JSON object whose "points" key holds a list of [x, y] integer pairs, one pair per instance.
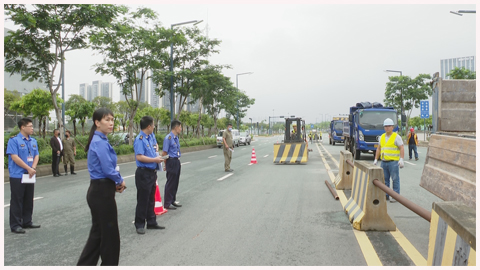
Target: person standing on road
{"points": [[57, 152], [104, 238], [69, 152], [228, 147], [391, 151], [171, 147], [412, 144], [147, 158], [22, 151]]}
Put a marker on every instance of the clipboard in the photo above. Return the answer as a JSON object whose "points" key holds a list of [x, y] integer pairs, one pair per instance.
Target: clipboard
{"points": [[27, 180]]}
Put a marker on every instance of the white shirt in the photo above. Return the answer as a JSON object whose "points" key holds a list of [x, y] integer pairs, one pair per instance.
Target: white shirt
{"points": [[61, 145]]}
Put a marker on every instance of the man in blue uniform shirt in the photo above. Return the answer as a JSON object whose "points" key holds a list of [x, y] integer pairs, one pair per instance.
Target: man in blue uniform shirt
{"points": [[22, 151], [146, 154], [171, 147]]}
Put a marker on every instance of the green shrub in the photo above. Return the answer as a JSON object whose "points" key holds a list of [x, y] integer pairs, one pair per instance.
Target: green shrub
{"points": [[5, 162], [45, 157], [124, 149]]}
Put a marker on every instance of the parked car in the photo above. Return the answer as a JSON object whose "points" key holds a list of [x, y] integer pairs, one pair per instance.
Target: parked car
{"points": [[236, 138], [124, 136], [245, 138]]}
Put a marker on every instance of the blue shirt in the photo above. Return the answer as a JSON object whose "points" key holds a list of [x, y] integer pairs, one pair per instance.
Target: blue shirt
{"points": [[22, 147], [102, 159], [171, 145], [145, 145]]}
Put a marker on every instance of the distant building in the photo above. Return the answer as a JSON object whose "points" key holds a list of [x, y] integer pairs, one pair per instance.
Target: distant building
{"points": [[83, 91], [446, 65], [96, 89], [107, 90], [143, 88], [154, 98]]}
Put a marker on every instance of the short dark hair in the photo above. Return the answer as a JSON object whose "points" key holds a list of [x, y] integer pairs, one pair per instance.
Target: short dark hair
{"points": [[55, 130], [69, 133], [175, 123], [229, 124], [23, 122], [146, 121]]}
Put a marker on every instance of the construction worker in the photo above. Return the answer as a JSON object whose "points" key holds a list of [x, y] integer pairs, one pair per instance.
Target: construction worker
{"points": [[391, 151], [412, 144], [294, 132]]}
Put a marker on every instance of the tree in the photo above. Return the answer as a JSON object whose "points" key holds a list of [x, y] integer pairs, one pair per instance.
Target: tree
{"points": [[414, 90], [45, 33], [85, 111], [238, 105], [103, 102], [73, 108], [133, 45], [191, 50], [123, 110], [38, 103], [165, 118], [186, 119], [9, 97], [462, 73]]}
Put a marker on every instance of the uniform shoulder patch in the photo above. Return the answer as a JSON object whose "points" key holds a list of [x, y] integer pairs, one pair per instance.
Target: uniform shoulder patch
{"points": [[11, 137], [34, 146], [141, 137], [169, 137]]}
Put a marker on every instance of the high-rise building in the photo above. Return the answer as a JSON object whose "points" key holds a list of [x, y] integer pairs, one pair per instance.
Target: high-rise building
{"points": [[154, 98], [143, 88], [84, 90], [96, 89], [446, 65], [89, 92], [107, 90]]}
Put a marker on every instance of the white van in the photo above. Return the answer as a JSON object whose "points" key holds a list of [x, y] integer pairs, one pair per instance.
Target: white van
{"points": [[236, 138]]}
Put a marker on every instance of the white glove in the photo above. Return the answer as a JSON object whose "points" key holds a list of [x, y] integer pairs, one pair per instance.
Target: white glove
{"points": [[375, 162], [117, 168], [400, 163]]}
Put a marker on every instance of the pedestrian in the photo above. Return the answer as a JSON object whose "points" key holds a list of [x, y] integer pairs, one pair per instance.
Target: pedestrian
{"points": [[412, 144], [228, 147], [391, 152], [69, 153], [104, 238], [171, 147], [57, 152], [147, 158], [22, 151]]}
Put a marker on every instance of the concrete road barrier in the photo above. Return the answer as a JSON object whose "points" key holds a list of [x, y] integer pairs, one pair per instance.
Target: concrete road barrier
{"points": [[367, 206], [452, 239], [290, 153], [345, 171]]}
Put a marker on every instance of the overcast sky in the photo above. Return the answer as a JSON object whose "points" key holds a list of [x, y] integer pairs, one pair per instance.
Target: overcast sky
{"points": [[312, 60]]}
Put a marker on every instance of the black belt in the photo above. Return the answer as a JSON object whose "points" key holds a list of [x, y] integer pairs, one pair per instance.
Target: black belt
{"points": [[173, 158], [388, 160], [147, 169], [102, 180]]}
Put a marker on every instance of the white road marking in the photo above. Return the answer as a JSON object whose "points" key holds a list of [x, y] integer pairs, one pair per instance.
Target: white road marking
{"points": [[225, 177], [265, 156], [410, 163], [244, 148], [212, 157], [37, 198], [129, 176], [186, 163]]}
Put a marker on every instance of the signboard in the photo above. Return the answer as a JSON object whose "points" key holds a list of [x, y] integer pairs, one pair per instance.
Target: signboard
{"points": [[311, 126], [424, 114], [340, 118]]}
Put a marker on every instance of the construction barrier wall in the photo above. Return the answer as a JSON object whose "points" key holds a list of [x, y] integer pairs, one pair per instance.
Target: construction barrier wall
{"points": [[290, 153], [452, 239], [367, 206], [450, 169], [345, 171]]}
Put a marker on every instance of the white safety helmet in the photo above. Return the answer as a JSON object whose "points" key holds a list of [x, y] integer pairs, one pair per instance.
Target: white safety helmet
{"points": [[388, 122]]}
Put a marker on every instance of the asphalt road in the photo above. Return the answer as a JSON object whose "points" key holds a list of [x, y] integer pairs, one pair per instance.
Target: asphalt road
{"points": [[261, 214]]}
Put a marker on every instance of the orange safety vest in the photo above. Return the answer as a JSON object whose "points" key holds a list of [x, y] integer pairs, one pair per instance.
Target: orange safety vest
{"points": [[414, 137]]}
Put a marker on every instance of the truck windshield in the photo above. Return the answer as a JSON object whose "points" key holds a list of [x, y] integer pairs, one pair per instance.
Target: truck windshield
{"points": [[374, 119], [338, 125]]}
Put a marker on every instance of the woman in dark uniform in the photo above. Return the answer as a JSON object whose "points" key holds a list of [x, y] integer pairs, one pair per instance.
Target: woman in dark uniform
{"points": [[104, 238]]}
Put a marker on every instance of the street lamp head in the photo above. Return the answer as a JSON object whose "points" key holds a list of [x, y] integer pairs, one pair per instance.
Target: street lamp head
{"points": [[198, 22], [456, 13]]}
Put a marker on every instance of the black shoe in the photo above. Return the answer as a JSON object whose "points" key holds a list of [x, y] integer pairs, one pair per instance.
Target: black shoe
{"points": [[18, 230], [176, 204], [171, 207], [229, 170], [74, 173], [140, 230], [158, 227], [31, 226], [56, 175]]}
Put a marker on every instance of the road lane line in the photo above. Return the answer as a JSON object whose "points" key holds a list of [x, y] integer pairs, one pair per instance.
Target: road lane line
{"points": [[411, 251], [129, 176], [334, 160], [36, 198], [265, 156], [225, 177], [212, 156], [186, 163], [250, 164], [410, 163]]}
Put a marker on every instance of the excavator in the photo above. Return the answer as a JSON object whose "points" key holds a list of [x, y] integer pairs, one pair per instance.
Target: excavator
{"points": [[294, 147]]}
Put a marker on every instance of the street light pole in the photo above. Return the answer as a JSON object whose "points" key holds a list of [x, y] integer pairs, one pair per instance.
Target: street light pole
{"points": [[63, 91], [236, 85], [172, 97], [401, 102], [251, 130]]}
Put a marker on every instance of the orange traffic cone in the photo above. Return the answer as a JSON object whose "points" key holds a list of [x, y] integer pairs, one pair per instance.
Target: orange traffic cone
{"points": [[159, 210], [254, 157]]}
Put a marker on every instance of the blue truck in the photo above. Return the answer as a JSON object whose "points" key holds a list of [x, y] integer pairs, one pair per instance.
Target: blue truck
{"points": [[335, 133], [365, 126]]}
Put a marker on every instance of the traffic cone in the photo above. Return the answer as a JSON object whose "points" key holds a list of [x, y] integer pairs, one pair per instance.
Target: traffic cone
{"points": [[254, 157], [159, 210]]}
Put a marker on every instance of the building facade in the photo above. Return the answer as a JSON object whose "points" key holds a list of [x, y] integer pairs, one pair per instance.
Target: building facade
{"points": [[446, 65]]}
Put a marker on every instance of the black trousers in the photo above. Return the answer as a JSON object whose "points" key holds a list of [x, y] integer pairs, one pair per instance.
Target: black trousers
{"points": [[104, 238], [21, 203], [173, 177], [145, 181], [55, 161]]}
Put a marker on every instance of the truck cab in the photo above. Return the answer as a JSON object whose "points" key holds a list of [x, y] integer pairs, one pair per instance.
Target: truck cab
{"points": [[336, 130]]}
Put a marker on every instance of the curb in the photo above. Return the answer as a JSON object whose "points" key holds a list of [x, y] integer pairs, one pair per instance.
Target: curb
{"points": [[46, 169]]}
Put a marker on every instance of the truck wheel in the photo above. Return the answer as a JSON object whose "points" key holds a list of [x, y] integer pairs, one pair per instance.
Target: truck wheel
{"points": [[330, 141], [333, 142]]}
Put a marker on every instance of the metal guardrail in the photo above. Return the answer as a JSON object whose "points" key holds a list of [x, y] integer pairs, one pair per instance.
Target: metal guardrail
{"points": [[404, 201]]}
